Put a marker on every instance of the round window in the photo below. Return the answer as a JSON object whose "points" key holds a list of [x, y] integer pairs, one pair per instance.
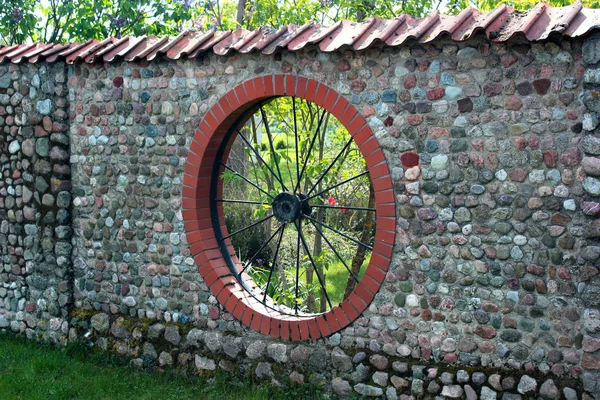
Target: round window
{"points": [[288, 207]]}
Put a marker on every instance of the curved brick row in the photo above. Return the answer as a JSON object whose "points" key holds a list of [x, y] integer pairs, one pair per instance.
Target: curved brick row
{"points": [[196, 209]]}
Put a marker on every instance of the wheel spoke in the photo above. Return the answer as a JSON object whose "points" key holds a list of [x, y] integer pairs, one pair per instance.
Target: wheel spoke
{"points": [[338, 232], [330, 166], [249, 262], [273, 154], [249, 226], [260, 157], [296, 137], [243, 202], [335, 251], [247, 180], [312, 142], [313, 264], [282, 227], [297, 265], [343, 207], [338, 184]]}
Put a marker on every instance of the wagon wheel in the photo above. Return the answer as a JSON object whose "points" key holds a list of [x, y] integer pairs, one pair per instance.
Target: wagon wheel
{"points": [[289, 200]]}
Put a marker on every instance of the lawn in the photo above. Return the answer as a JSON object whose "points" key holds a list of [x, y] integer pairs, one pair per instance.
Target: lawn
{"points": [[33, 371]]}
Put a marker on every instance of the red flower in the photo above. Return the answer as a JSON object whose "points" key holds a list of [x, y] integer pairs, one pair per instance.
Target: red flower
{"points": [[331, 200], [344, 210]]}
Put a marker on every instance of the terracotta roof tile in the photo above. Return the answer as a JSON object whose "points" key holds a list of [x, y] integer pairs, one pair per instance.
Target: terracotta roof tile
{"points": [[499, 25]]}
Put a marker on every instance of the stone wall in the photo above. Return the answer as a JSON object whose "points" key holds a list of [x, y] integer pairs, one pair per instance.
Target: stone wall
{"points": [[493, 282], [35, 200]]}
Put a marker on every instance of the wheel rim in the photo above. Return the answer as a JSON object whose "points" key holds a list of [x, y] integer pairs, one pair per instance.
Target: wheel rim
{"points": [[289, 207]]}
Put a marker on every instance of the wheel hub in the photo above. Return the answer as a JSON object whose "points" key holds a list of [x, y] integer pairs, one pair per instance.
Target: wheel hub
{"points": [[289, 207]]}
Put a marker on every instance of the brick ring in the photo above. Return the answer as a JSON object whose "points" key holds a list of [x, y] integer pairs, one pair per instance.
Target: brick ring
{"points": [[196, 204]]}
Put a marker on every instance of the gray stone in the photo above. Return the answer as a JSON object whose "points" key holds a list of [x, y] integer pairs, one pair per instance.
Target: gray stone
{"points": [[129, 301], [264, 370], [494, 381], [526, 385], [5, 81], [462, 376], [591, 145], [433, 387], [213, 340], [591, 185], [256, 349], [447, 378], [488, 394], [417, 388], [204, 363], [340, 360], [439, 162], [155, 331], [100, 322], [548, 390], [391, 393], [570, 394], [453, 391], [194, 337], [231, 347], [172, 335], [44, 107], [478, 378], [341, 387], [368, 390], [591, 49], [380, 378], [14, 147], [278, 352], [592, 75], [165, 359]]}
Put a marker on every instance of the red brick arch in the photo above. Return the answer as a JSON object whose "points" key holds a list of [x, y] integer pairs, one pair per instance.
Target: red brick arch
{"points": [[197, 214]]}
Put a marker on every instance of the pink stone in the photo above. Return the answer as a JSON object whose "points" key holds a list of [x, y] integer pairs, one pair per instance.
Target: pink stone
{"points": [[485, 332], [590, 208], [435, 94], [590, 345], [410, 81], [378, 361], [563, 273], [518, 174], [534, 142], [437, 132], [570, 158], [572, 357], [415, 119], [589, 361], [550, 158], [513, 103], [492, 89], [368, 111], [520, 143], [478, 145], [214, 312], [358, 86], [451, 358], [486, 346]]}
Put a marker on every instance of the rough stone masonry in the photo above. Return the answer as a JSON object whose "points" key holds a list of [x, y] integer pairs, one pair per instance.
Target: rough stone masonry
{"points": [[493, 287]]}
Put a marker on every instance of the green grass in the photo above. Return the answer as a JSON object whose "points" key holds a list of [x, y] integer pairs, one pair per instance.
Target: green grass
{"points": [[336, 279], [32, 371]]}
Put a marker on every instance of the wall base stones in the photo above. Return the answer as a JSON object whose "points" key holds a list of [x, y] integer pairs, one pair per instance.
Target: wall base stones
{"points": [[329, 364]]}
